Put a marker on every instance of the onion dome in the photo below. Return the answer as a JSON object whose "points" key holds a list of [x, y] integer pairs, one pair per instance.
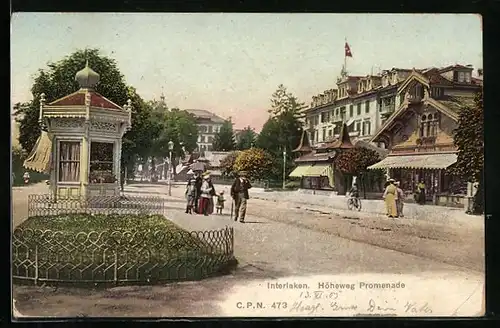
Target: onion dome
{"points": [[87, 78]]}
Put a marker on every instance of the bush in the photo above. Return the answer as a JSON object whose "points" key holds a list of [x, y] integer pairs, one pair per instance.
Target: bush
{"points": [[294, 184], [103, 248]]}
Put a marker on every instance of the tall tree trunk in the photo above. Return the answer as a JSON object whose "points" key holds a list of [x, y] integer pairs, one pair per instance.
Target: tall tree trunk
{"points": [[478, 202], [153, 170]]}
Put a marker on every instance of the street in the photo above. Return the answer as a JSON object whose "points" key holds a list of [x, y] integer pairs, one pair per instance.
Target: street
{"points": [[281, 240]]}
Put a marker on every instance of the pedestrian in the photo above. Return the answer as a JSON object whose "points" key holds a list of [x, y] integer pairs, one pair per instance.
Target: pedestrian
{"points": [[239, 193], [191, 191], [354, 192], [211, 206], [390, 197], [26, 177], [220, 202], [400, 200], [421, 192], [207, 190], [198, 182]]}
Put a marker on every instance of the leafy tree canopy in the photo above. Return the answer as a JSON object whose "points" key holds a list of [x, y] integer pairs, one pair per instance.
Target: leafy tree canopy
{"points": [[283, 101], [227, 163], [356, 160], [257, 162], [469, 139], [58, 80], [224, 138], [246, 139]]}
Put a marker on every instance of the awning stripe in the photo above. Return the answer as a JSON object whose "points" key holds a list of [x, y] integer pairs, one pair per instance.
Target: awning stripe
{"points": [[317, 170], [428, 161], [40, 157], [299, 171]]}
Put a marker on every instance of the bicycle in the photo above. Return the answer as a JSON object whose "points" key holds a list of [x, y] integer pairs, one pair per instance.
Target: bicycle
{"points": [[354, 203]]}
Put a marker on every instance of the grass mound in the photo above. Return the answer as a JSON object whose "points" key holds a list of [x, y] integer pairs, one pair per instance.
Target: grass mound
{"points": [[117, 248]]}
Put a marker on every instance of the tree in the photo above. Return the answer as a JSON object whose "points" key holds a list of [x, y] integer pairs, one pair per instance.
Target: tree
{"points": [[227, 163], [283, 101], [282, 131], [355, 161], [257, 162], [246, 139], [59, 80], [224, 139], [469, 139], [177, 126]]}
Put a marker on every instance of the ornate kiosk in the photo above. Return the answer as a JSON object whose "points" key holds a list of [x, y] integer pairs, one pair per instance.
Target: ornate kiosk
{"points": [[85, 131]]}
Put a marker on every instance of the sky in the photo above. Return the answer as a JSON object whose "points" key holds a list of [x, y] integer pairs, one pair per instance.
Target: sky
{"points": [[231, 63]]}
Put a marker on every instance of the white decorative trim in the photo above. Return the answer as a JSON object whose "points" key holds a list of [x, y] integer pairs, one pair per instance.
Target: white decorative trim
{"points": [[103, 126], [67, 123]]}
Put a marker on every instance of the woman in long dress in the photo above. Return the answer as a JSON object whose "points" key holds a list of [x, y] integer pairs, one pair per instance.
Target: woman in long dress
{"points": [[390, 197]]}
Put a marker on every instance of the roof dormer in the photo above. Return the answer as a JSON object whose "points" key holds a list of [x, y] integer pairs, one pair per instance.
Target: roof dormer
{"points": [[457, 73]]}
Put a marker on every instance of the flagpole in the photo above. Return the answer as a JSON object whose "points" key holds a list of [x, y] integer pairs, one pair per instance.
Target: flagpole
{"points": [[345, 58]]}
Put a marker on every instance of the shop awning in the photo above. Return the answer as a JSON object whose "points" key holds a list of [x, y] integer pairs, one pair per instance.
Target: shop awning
{"points": [[299, 171], [427, 161], [39, 158], [318, 170]]}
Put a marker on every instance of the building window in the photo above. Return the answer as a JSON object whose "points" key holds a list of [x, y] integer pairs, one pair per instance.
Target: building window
{"points": [[351, 111], [337, 112], [467, 77], [210, 129], [366, 128], [428, 125], [358, 109], [203, 128], [316, 120], [210, 139], [316, 137], [330, 133], [323, 117], [367, 106], [324, 134], [461, 76], [101, 162], [202, 138], [436, 92], [69, 161], [358, 126]]}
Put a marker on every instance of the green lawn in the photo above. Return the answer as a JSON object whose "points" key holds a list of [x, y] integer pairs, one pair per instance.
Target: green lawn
{"points": [[134, 248]]}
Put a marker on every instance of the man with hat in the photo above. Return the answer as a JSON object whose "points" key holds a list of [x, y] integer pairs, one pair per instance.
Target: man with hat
{"points": [[239, 192], [206, 196]]}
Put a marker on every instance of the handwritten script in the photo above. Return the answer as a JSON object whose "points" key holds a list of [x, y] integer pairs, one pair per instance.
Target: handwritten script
{"points": [[340, 302]]}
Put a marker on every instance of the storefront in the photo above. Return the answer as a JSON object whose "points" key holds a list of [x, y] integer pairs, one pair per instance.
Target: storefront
{"points": [[317, 176], [427, 168]]}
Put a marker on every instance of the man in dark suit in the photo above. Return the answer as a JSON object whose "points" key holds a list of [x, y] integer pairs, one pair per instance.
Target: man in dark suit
{"points": [[239, 192], [198, 182]]}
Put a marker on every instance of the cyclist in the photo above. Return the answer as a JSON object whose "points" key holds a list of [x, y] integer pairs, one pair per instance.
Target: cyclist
{"points": [[354, 193]]}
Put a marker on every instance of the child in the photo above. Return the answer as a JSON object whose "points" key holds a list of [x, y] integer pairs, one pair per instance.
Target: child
{"points": [[220, 202], [190, 196]]}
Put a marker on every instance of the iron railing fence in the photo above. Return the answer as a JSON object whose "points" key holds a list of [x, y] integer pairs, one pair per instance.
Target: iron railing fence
{"points": [[48, 204], [119, 257]]}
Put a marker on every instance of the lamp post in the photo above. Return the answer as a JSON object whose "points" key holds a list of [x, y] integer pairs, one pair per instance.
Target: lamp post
{"points": [[284, 166], [170, 149]]}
